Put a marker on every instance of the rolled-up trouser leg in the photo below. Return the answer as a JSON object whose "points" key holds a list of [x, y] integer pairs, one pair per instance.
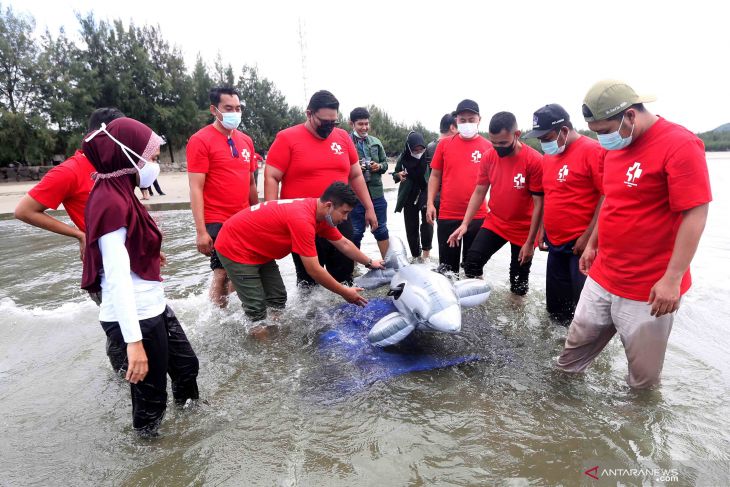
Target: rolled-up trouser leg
{"points": [[246, 281], [591, 329], [182, 363], [645, 340]]}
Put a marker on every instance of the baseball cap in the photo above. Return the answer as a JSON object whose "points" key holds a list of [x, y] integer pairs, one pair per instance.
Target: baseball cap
{"points": [[609, 97], [546, 119], [466, 106]]}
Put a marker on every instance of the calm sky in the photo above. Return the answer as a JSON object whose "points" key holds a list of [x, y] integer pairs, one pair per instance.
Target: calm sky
{"points": [[417, 60]]}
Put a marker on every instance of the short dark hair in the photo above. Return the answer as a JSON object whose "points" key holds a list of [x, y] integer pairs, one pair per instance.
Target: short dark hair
{"points": [[323, 99], [446, 122], [359, 113], [339, 193], [103, 115], [215, 93], [502, 121]]}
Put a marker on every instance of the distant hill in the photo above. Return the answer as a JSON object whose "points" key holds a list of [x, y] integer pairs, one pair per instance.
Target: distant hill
{"points": [[722, 128]]}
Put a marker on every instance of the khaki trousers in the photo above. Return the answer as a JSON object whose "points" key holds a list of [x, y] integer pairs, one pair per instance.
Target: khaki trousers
{"points": [[598, 316]]}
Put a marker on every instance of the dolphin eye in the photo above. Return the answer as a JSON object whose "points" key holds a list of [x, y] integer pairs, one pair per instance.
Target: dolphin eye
{"points": [[397, 291]]}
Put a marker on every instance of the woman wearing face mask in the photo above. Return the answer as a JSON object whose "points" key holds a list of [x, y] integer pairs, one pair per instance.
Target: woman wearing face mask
{"points": [[412, 172], [122, 259]]}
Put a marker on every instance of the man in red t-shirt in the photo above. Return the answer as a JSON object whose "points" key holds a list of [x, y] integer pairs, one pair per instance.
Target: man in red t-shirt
{"points": [[657, 193], [572, 172], [454, 170], [250, 242], [221, 169], [305, 160], [69, 184], [513, 171]]}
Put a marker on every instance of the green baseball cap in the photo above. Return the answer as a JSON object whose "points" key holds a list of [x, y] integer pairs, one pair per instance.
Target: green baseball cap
{"points": [[609, 97]]}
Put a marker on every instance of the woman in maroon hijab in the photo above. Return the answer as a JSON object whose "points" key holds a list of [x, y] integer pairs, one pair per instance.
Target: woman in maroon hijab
{"points": [[122, 260]]}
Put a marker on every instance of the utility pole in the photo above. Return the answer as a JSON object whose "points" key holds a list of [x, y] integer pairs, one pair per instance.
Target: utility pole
{"points": [[303, 53]]}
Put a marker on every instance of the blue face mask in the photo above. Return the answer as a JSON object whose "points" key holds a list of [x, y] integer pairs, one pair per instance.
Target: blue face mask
{"points": [[551, 148], [329, 220], [614, 141], [231, 120]]}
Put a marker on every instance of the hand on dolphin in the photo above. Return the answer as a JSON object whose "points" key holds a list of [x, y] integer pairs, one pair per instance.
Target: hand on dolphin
{"points": [[352, 295]]}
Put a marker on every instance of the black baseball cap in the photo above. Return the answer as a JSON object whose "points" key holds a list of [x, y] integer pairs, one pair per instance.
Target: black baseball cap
{"points": [[466, 106], [546, 119]]}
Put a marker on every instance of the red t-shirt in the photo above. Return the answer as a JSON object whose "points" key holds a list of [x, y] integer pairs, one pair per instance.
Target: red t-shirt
{"points": [[572, 184], [273, 230], [69, 183], [458, 160], [228, 178], [512, 180], [647, 186], [311, 164]]}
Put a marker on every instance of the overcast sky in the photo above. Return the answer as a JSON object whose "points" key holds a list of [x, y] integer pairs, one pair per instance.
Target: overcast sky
{"points": [[417, 60]]}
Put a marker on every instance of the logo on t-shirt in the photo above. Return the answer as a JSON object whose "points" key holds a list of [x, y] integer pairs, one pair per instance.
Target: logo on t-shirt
{"points": [[246, 155], [563, 173], [476, 156], [519, 181], [633, 174], [336, 148]]}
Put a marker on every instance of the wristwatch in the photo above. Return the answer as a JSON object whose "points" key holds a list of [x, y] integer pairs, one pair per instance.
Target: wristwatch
{"points": [[369, 264]]}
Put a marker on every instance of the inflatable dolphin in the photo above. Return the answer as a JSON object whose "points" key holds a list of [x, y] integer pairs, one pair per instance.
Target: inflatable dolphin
{"points": [[423, 298]]}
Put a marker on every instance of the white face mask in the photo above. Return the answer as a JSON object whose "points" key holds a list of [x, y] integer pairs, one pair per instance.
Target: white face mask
{"points": [[417, 156], [468, 130], [147, 174]]}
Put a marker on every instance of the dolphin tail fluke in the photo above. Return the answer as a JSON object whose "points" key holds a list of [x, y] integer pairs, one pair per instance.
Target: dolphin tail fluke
{"points": [[472, 292], [390, 329]]}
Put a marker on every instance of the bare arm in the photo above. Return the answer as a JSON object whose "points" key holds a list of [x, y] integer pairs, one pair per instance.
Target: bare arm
{"points": [[664, 296], [528, 249], [34, 213], [323, 278], [272, 179], [582, 242], [253, 192], [349, 250], [202, 240], [434, 185]]}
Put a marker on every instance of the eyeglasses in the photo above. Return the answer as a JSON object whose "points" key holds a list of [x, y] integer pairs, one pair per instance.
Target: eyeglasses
{"points": [[234, 151]]}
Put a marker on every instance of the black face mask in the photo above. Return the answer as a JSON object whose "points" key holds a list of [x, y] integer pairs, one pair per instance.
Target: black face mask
{"points": [[325, 128], [505, 151]]}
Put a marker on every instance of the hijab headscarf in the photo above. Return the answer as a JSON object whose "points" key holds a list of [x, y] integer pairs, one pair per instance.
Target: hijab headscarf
{"points": [[416, 167], [112, 203]]}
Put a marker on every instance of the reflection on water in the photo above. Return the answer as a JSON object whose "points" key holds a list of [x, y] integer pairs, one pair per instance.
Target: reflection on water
{"points": [[269, 416]]}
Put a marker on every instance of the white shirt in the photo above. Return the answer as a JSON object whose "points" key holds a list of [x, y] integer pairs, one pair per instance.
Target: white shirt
{"points": [[125, 297]]}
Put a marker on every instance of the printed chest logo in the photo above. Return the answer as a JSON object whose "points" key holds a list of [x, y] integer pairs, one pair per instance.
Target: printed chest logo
{"points": [[633, 175], [563, 173], [246, 155], [476, 156], [336, 148], [519, 180]]}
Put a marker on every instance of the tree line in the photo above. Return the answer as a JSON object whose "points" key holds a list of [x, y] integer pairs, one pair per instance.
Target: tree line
{"points": [[50, 84]]}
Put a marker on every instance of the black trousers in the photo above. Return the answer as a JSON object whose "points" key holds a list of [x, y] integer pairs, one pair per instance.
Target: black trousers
{"points": [[337, 264], [168, 352], [450, 257], [157, 187], [485, 245], [563, 281], [418, 231]]}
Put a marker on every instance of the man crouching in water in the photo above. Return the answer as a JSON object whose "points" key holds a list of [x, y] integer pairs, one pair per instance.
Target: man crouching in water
{"points": [[251, 241]]}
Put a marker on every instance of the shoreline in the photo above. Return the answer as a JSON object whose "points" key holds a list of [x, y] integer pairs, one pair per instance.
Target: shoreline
{"points": [[174, 184]]}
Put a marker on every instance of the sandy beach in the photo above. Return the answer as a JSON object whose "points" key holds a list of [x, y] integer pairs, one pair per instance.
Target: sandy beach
{"points": [[174, 184]]}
